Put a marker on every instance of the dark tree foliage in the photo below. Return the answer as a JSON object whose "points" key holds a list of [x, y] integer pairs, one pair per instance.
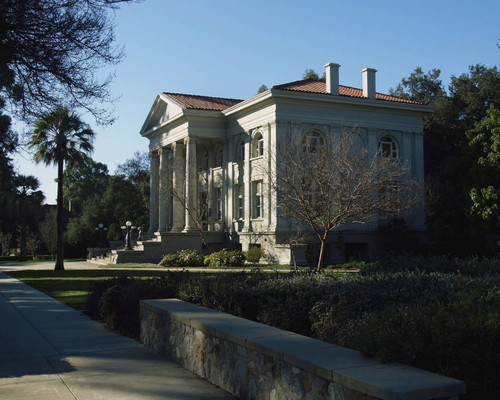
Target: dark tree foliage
{"points": [[28, 200], [50, 51], [8, 143], [311, 74], [82, 181], [136, 171], [449, 160], [425, 88]]}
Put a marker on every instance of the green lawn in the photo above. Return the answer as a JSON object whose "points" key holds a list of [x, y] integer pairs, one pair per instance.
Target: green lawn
{"points": [[71, 286]]}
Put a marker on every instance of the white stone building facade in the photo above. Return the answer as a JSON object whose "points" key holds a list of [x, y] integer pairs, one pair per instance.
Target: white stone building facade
{"points": [[210, 159]]}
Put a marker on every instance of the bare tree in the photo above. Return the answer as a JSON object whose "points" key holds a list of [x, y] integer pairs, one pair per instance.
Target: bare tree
{"points": [[326, 185], [32, 243]]}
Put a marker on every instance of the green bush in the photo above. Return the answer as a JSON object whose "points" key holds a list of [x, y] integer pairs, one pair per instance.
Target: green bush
{"points": [[119, 305], [354, 265], [473, 266], [225, 258], [442, 322], [182, 259], [254, 254], [284, 301]]}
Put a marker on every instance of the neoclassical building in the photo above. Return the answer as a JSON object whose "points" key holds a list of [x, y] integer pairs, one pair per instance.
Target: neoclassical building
{"points": [[209, 158]]}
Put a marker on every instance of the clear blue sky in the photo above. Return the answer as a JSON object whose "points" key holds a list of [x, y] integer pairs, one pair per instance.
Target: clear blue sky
{"points": [[229, 48]]}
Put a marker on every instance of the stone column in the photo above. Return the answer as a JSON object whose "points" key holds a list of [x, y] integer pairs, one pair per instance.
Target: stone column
{"points": [[164, 190], [153, 192], [178, 187], [191, 184]]}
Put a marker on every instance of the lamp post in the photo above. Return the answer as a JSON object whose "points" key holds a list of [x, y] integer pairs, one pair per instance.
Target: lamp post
{"points": [[128, 237], [100, 229]]}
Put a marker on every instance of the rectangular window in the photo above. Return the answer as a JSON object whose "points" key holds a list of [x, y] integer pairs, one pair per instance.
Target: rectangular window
{"points": [[218, 202], [239, 202], [257, 199]]}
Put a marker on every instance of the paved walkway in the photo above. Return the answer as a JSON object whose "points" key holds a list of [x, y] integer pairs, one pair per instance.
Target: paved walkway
{"points": [[49, 351]]}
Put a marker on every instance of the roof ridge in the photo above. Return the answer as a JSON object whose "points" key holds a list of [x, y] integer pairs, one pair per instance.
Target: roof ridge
{"points": [[294, 82], [201, 96]]}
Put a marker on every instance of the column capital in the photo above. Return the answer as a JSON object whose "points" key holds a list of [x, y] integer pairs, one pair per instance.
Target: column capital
{"points": [[190, 140], [154, 153], [177, 145]]}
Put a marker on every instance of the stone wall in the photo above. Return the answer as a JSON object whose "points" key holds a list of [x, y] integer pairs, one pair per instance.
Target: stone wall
{"points": [[255, 361]]}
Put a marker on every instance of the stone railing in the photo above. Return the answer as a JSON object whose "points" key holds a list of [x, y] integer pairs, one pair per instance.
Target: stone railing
{"points": [[255, 361]]}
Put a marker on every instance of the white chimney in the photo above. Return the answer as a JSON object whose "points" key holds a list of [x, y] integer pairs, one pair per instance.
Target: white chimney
{"points": [[332, 78], [369, 83]]}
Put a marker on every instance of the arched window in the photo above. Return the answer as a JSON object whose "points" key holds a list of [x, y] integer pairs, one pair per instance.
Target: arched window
{"points": [[388, 147], [258, 145], [240, 151], [313, 141]]}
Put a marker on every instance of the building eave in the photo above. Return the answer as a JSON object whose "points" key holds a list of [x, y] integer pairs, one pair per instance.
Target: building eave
{"points": [[184, 116], [326, 98]]}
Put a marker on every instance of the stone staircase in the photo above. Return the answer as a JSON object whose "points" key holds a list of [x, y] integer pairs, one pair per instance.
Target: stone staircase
{"points": [[153, 249]]}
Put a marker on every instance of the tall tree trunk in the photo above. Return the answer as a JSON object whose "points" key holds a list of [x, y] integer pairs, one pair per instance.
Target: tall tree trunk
{"points": [[60, 225]]}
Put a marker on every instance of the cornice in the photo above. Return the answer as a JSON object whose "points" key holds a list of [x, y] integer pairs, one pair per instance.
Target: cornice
{"points": [[325, 98]]}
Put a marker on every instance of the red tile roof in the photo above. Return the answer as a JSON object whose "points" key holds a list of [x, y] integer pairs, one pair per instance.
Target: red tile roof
{"points": [[195, 102], [313, 86], [202, 102]]}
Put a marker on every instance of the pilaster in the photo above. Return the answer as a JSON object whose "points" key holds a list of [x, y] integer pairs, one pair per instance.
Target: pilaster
{"points": [[247, 182]]}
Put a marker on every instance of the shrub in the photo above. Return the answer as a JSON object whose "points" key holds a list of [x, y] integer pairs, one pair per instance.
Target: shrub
{"points": [[182, 259], [354, 265], [225, 258], [254, 254], [284, 301], [473, 266], [119, 305], [444, 323]]}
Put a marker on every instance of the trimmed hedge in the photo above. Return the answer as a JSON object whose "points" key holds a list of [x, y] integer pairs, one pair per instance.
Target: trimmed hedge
{"points": [[182, 259], [225, 258]]}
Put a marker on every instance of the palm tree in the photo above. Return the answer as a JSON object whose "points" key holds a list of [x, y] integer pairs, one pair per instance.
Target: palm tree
{"points": [[28, 198], [61, 136]]}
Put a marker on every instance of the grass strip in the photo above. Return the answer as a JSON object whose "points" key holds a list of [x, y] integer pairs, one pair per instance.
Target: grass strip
{"points": [[71, 287]]}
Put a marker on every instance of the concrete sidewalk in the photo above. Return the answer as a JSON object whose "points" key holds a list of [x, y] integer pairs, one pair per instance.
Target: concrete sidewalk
{"points": [[49, 351]]}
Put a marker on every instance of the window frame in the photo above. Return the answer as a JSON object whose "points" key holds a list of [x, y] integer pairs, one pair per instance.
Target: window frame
{"points": [[239, 202], [218, 202], [311, 136], [257, 200], [240, 151], [393, 151], [258, 145]]}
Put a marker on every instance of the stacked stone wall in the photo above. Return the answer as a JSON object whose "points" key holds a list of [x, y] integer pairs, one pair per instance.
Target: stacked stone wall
{"points": [[253, 365]]}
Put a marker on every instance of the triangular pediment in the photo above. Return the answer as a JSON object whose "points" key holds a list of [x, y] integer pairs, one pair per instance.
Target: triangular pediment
{"points": [[163, 109]]}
